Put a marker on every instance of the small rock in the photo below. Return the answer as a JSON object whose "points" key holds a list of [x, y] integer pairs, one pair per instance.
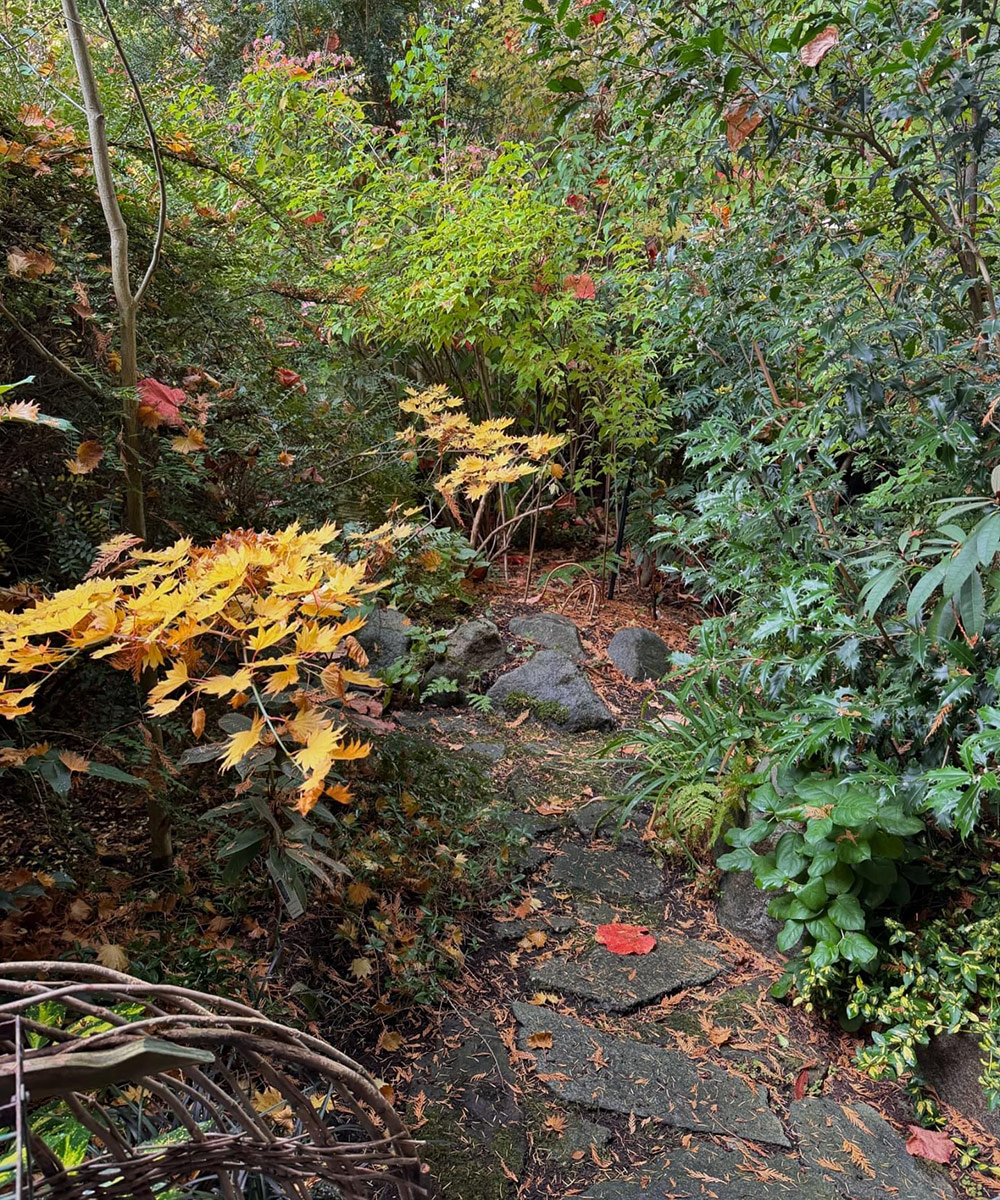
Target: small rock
{"points": [[551, 630], [952, 1064], [639, 654], [450, 692], [617, 874], [476, 646], [600, 1071], [619, 983], [385, 638], [491, 751], [554, 690], [869, 1153], [513, 931]]}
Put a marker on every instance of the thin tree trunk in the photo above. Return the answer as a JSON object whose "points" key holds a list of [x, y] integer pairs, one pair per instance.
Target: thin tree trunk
{"points": [[161, 845]]}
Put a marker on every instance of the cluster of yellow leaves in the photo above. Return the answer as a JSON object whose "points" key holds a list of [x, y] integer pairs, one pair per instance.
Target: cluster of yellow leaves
{"points": [[272, 604], [488, 454]]}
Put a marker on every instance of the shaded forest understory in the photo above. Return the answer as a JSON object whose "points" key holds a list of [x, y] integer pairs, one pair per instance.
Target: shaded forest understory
{"points": [[425, 427]]}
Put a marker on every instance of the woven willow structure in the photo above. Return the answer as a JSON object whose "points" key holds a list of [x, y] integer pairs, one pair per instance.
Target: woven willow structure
{"points": [[189, 1094]]}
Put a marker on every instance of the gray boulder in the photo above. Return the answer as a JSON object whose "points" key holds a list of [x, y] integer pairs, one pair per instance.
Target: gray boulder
{"points": [[952, 1064], [639, 654], [555, 690], [385, 638], [475, 646], [551, 630]]}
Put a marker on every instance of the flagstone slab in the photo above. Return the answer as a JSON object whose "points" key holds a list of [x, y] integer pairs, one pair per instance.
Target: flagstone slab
{"points": [[869, 1152], [703, 1171], [613, 1074], [620, 983], [614, 874]]}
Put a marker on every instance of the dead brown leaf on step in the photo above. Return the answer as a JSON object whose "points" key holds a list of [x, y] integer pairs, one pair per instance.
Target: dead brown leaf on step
{"points": [[718, 1035], [555, 1124], [544, 998], [540, 1040], [519, 719]]}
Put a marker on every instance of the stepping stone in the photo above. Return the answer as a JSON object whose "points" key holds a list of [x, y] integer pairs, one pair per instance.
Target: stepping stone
{"points": [[554, 689], [551, 630], [639, 654], [578, 1136], [617, 874], [705, 1170], [871, 1155], [600, 819], [619, 983], [473, 1125], [604, 1072]]}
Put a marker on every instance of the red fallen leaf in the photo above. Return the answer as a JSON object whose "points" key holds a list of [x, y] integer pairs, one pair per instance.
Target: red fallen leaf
{"points": [[159, 404], [316, 218], [625, 939], [582, 286], [801, 1083], [576, 202], [813, 52], [289, 378], [597, 18], [929, 1144]]}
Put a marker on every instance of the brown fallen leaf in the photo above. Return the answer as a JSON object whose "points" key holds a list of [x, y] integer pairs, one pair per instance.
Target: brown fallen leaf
{"points": [[540, 1040], [815, 50]]}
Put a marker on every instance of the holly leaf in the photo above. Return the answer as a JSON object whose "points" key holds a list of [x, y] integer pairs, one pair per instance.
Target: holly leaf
{"points": [[625, 939]]}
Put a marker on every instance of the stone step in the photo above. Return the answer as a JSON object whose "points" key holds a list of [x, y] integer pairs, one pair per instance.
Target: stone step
{"points": [[621, 983], [615, 874], [614, 1074], [846, 1152]]}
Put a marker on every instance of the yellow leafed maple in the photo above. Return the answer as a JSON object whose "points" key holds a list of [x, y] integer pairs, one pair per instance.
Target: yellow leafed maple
{"points": [[488, 454], [253, 614]]}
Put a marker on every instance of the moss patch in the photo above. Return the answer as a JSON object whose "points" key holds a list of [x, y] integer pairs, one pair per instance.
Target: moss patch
{"points": [[541, 710]]}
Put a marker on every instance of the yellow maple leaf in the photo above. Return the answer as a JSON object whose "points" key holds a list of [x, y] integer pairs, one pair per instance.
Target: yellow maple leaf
{"points": [[240, 744], [222, 685]]}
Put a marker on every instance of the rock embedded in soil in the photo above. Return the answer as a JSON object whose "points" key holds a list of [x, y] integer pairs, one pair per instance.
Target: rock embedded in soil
{"points": [[742, 909], [619, 983], [613, 874], [705, 1170], [548, 923], [639, 654], [551, 630], [951, 1063], [555, 691], [385, 638], [613, 1074], [871, 1155]]}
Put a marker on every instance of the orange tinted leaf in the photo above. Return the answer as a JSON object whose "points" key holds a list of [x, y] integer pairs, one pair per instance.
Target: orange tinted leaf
{"points": [[88, 455]]}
